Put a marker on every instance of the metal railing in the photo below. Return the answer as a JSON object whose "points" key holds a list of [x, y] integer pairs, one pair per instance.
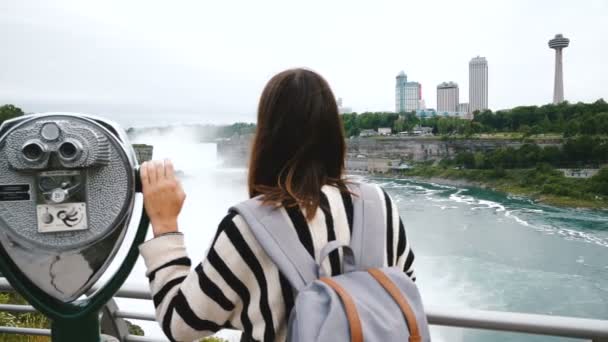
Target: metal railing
{"points": [[113, 323]]}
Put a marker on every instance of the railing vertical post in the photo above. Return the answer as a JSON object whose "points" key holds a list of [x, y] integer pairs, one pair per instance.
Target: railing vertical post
{"points": [[112, 325], [81, 328]]}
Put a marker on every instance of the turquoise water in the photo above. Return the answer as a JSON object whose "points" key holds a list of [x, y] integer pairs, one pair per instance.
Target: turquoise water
{"points": [[474, 248], [486, 250]]}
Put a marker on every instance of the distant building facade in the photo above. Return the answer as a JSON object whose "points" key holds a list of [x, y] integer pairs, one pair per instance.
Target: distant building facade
{"points": [[385, 131], [478, 84], [463, 107], [417, 131], [368, 133], [426, 113], [341, 108], [407, 94], [413, 96], [447, 97], [401, 81]]}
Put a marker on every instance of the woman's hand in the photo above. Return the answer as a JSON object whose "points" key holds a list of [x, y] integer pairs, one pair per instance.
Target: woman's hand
{"points": [[163, 195]]}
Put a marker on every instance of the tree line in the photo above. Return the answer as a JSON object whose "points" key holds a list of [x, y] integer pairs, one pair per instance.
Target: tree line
{"points": [[564, 118], [582, 151], [534, 167], [8, 112]]}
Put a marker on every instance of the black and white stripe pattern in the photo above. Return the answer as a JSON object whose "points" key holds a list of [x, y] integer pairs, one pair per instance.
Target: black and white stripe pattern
{"points": [[237, 285]]}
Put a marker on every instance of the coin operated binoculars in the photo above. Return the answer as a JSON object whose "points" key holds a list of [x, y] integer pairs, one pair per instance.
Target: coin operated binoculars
{"points": [[67, 197]]}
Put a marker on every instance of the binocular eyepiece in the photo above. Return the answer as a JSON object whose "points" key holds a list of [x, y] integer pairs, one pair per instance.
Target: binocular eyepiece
{"points": [[69, 150], [35, 151], [61, 142]]}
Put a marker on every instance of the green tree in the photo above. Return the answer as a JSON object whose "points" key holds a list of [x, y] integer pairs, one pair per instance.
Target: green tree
{"points": [[479, 160], [550, 155], [572, 128], [213, 339], [400, 125], [466, 160], [525, 129], [600, 181], [9, 111], [134, 329]]}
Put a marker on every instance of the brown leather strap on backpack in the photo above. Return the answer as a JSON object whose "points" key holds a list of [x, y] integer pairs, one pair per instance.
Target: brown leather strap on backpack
{"points": [[394, 292], [354, 323]]}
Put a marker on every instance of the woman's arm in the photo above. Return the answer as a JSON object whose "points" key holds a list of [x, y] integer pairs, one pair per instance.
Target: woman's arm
{"points": [[235, 286], [180, 295], [189, 303]]}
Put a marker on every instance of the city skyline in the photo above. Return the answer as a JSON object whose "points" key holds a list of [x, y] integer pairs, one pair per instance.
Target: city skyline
{"points": [[447, 95], [198, 66]]}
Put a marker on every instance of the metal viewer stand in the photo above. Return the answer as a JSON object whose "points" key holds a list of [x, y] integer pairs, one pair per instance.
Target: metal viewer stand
{"points": [[67, 195]]}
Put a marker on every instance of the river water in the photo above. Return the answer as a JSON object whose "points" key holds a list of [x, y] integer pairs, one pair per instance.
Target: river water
{"points": [[474, 248]]}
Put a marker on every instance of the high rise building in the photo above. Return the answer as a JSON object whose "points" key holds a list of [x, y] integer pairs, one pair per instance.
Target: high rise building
{"points": [[478, 84], [407, 94], [413, 96], [558, 43], [447, 97], [400, 92], [342, 109]]}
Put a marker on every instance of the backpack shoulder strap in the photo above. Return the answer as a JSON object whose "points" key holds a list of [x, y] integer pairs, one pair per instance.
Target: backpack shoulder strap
{"points": [[273, 231], [368, 239]]}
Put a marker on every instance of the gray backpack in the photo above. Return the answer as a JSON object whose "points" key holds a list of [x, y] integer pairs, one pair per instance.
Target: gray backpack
{"points": [[366, 303]]}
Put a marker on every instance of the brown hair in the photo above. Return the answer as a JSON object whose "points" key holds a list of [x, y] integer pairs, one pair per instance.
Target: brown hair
{"points": [[299, 142]]}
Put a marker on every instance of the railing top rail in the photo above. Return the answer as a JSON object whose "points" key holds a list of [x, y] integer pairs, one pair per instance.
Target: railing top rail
{"points": [[464, 318], [519, 322]]}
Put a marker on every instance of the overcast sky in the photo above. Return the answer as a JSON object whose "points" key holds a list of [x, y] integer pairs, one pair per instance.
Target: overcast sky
{"points": [[208, 61]]}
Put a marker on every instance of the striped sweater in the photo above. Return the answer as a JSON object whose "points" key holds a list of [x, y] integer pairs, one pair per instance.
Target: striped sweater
{"points": [[237, 286]]}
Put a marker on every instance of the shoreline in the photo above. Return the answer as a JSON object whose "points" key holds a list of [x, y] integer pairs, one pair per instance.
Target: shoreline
{"points": [[450, 182], [553, 200], [434, 179]]}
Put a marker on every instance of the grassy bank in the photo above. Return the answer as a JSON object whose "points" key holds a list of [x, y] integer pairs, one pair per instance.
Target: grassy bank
{"points": [[541, 183], [29, 320], [35, 320]]}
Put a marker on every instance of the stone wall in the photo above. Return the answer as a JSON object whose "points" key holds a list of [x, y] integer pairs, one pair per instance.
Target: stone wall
{"points": [[235, 151], [424, 149], [143, 152], [362, 151], [400, 148]]}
